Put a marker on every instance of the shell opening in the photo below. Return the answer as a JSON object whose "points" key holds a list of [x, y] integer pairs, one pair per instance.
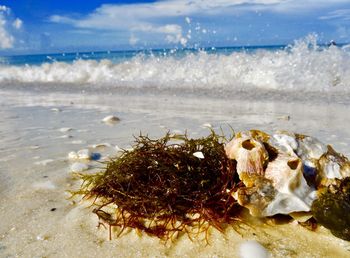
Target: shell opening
{"points": [[293, 164], [248, 144]]}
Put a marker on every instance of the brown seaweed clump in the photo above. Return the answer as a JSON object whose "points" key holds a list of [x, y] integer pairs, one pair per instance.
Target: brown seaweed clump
{"points": [[165, 187]]}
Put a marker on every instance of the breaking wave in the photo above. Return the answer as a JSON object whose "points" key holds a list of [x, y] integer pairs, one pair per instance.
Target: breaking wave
{"points": [[304, 66]]}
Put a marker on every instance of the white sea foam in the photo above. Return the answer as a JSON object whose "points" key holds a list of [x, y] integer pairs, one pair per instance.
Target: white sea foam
{"points": [[302, 67]]}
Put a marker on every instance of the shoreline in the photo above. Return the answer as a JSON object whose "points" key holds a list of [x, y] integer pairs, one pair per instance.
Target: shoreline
{"points": [[36, 172], [253, 93]]}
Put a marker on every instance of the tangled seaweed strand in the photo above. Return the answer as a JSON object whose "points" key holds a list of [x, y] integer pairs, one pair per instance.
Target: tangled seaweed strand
{"points": [[162, 189]]}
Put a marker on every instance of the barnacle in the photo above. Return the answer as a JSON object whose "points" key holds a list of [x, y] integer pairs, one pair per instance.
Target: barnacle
{"points": [[249, 152]]}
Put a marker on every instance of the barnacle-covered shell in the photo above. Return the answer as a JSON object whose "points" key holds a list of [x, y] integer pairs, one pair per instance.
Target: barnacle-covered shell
{"points": [[308, 149], [282, 190], [272, 172], [282, 172]]}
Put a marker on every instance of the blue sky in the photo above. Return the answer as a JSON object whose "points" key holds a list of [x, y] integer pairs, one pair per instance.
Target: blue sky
{"points": [[37, 26]]}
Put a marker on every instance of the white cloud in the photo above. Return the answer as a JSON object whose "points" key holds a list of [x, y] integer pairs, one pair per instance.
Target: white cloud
{"points": [[6, 40], [4, 8], [166, 17], [62, 19], [343, 14], [117, 16], [113, 16], [173, 32], [17, 23], [146, 17], [135, 16], [7, 25]]}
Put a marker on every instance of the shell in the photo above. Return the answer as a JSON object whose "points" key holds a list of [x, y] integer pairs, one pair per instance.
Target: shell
{"points": [[111, 119], [309, 149], [320, 162], [282, 190], [284, 142], [292, 191], [199, 154]]}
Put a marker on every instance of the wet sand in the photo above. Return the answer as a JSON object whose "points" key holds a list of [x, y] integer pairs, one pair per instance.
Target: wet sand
{"points": [[39, 129]]}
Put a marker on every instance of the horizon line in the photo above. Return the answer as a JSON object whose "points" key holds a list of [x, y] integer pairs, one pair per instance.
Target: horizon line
{"points": [[165, 49]]}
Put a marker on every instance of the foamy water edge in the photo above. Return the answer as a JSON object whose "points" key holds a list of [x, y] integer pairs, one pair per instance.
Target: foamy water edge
{"points": [[303, 67]]}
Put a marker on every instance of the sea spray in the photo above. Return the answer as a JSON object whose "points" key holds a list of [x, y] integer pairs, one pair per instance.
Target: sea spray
{"points": [[301, 67]]}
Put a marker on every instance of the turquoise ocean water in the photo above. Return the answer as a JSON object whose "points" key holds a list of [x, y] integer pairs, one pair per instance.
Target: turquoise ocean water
{"points": [[120, 56]]}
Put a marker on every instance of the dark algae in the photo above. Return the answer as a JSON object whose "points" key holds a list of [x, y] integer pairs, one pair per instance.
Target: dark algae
{"points": [[332, 208], [161, 188]]}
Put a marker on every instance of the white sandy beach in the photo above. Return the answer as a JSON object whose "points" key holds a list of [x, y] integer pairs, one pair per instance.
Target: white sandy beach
{"points": [[38, 130]]}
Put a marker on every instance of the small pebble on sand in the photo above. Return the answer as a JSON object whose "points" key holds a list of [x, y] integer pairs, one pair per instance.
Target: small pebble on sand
{"points": [[65, 129], [285, 117], [42, 237], [252, 249], [110, 119], [208, 125], [65, 136]]}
